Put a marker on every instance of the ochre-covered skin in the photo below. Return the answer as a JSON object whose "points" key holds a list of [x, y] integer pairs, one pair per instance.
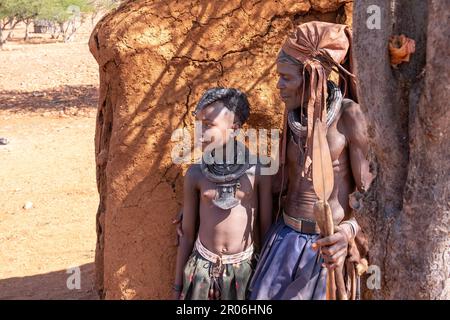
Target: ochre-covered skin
{"points": [[156, 58]]}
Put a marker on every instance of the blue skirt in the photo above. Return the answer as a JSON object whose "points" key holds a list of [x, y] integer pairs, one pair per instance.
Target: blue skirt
{"points": [[288, 268]]}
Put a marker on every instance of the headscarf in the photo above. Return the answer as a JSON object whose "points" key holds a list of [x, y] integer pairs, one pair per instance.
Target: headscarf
{"points": [[320, 47]]}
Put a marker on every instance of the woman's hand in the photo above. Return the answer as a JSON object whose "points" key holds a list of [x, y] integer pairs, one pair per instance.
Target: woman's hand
{"points": [[177, 221]]}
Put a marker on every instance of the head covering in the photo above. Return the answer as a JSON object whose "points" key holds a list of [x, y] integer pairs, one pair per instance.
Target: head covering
{"points": [[320, 47]]}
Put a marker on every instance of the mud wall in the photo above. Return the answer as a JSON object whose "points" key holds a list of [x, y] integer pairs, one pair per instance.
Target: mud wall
{"points": [[155, 60]]}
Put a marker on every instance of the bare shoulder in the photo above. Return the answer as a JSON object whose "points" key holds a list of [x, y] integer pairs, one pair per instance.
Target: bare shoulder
{"points": [[193, 175], [351, 111], [353, 119]]}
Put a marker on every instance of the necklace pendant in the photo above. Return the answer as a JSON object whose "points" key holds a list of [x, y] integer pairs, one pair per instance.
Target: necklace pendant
{"points": [[225, 198]]}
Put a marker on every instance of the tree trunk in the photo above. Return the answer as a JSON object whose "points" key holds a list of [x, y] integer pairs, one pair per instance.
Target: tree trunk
{"points": [[27, 24], [66, 34], [73, 26], [406, 213], [1, 36], [54, 28], [13, 24], [61, 30], [93, 17]]}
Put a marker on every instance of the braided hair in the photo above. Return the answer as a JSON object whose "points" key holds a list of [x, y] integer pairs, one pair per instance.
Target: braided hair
{"points": [[233, 99]]}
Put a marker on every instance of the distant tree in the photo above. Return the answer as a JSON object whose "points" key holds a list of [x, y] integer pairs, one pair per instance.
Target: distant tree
{"points": [[105, 5], [65, 15], [102, 6], [27, 11], [14, 11], [7, 19]]}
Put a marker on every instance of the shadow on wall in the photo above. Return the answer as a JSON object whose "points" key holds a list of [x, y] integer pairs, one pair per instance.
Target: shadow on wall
{"points": [[50, 286], [166, 98]]}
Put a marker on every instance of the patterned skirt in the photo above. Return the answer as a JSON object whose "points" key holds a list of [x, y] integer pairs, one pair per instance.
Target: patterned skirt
{"points": [[207, 280]]}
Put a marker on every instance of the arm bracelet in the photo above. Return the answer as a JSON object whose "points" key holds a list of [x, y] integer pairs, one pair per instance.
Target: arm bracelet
{"points": [[352, 226]]}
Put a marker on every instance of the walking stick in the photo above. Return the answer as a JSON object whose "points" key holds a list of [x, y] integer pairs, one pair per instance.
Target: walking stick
{"points": [[323, 182]]}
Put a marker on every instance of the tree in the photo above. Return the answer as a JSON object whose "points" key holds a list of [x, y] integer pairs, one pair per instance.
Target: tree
{"points": [[19, 11], [7, 19], [63, 13], [101, 6], [26, 11], [406, 213]]}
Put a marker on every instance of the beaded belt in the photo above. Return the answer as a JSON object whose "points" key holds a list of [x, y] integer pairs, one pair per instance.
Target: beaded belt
{"points": [[224, 258]]}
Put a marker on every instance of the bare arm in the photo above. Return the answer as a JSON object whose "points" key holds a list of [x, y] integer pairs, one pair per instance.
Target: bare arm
{"points": [[188, 224], [265, 204], [334, 247], [356, 134], [277, 180]]}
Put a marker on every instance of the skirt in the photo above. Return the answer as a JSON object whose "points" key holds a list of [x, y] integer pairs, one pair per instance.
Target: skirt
{"points": [[207, 280], [289, 269]]}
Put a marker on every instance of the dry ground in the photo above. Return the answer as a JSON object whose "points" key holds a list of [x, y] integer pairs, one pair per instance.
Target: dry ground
{"points": [[48, 98]]}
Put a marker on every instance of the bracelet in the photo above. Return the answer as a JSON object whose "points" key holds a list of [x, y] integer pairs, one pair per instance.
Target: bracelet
{"points": [[177, 287], [352, 226]]}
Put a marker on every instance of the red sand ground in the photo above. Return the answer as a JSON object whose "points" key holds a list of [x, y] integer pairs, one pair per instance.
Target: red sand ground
{"points": [[48, 98]]}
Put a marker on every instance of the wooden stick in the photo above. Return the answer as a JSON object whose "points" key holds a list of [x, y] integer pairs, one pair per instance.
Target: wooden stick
{"points": [[324, 218], [323, 183]]}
